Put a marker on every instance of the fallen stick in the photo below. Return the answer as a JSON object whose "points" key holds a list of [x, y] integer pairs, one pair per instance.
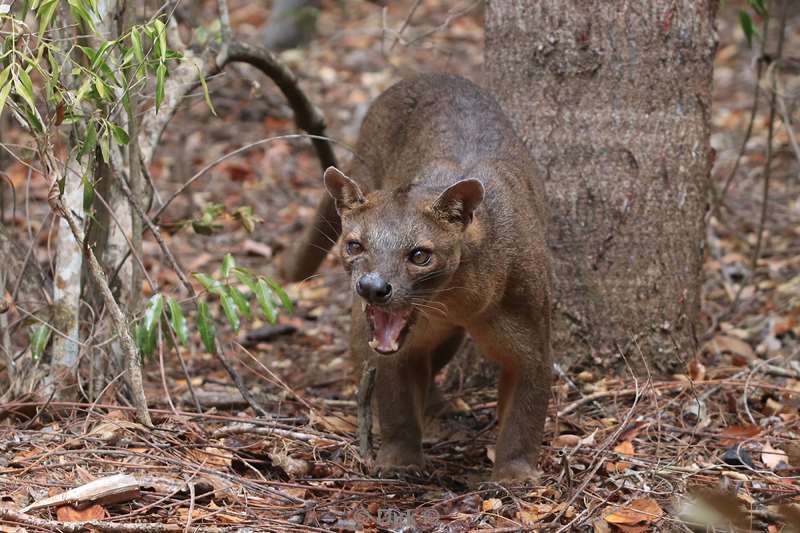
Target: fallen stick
{"points": [[16, 517]]}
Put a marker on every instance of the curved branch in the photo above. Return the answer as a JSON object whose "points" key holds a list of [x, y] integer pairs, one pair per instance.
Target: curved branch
{"points": [[306, 115]]}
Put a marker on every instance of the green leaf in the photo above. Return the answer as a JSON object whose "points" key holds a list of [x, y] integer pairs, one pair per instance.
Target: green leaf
{"points": [[241, 302], [245, 216], [83, 89], [45, 13], [152, 315], [245, 278], [208, 283], [747, 26], [90, 142], [161, 39], [39, 336], [100, 87], [178, 321], [80, 12], [105, 146], [144, 340], [5, 87], [88, 194], [100, 55], [759, 6], [206, 94], [207, 329], [227, 264], [136, 44], [161, 75], [285, 300], [265, 301], [120, 135], [24, 87], [231, 311]]}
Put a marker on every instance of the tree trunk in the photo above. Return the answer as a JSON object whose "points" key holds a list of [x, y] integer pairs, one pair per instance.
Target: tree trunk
{"points": [[613, 100], [63, 378]]}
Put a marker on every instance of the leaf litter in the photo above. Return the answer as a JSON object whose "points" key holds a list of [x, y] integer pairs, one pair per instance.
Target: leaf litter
{"points": [[717, 445]]}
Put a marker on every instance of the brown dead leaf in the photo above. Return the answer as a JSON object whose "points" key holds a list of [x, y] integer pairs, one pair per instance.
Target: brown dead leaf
{"points": [[211, 456], [741, 351], [530, 514], [625, 448], [697, 370], [292, 466], [772, 407], [566, 441], [68, 513], [637, 511], [338, 423], [491, 505], [773, 457], [257, 248], [732, 435]]}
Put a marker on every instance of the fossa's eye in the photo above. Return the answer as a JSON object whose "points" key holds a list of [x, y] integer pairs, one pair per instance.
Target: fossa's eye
{"points": [[420, 256], [353, 248]]}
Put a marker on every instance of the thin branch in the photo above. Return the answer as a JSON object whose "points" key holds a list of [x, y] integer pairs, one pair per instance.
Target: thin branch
{"points": [[306, 115], [134, 369], [200, 173], [770, 130], [781, 93], [224, 21]]}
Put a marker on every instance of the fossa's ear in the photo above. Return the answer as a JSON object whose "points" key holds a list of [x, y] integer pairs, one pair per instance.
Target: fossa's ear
{"points": [[344, 191], [458, 202]]}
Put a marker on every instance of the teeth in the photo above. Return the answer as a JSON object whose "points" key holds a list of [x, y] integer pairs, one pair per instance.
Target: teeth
{"points": [[363, 305], [374, 344]]}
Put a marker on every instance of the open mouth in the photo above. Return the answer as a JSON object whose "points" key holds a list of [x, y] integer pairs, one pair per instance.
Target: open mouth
{"points": [[389, 328]]}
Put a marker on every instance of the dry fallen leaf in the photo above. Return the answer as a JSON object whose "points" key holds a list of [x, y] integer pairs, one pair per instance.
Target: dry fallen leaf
{"points": [[625, 448], [772, 457], [68, 513], [490, 453], [292, 466], [338, 423], [635, 512], [741, 351], [566, 441], [735, 434], [697, 370], [492, 504]]}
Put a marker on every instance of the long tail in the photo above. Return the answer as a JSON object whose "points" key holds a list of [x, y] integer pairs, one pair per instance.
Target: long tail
{"points": [[318, 238]]}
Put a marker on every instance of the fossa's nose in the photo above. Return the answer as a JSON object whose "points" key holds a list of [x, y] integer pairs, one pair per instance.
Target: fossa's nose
{"points": [[373, 288]]}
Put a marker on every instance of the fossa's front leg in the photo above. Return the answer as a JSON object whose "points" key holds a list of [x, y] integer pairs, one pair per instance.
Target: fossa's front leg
{"points": [[401, 387], [521, 346]]}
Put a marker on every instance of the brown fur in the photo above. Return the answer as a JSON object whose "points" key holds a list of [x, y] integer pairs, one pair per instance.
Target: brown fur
{"points": [[422, 145]]}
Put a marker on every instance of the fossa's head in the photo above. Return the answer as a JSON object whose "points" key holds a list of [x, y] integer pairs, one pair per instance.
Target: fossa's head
{"points": [[401, 247]]}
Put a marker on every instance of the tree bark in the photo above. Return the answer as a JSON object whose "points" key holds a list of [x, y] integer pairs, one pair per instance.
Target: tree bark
{"points": [[613, 100], [63, 377]]}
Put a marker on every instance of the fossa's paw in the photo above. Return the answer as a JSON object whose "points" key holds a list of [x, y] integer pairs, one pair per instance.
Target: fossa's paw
{"points": [[515, 472], [396, 460]]}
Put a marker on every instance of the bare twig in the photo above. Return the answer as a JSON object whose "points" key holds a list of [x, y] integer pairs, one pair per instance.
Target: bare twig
{"points": [[133, 365], [770, 131], [7, 515], [753, 112], [405, 23]]}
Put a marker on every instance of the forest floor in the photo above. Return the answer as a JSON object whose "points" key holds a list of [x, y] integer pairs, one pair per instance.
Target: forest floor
{"points": [[721, 442]]}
